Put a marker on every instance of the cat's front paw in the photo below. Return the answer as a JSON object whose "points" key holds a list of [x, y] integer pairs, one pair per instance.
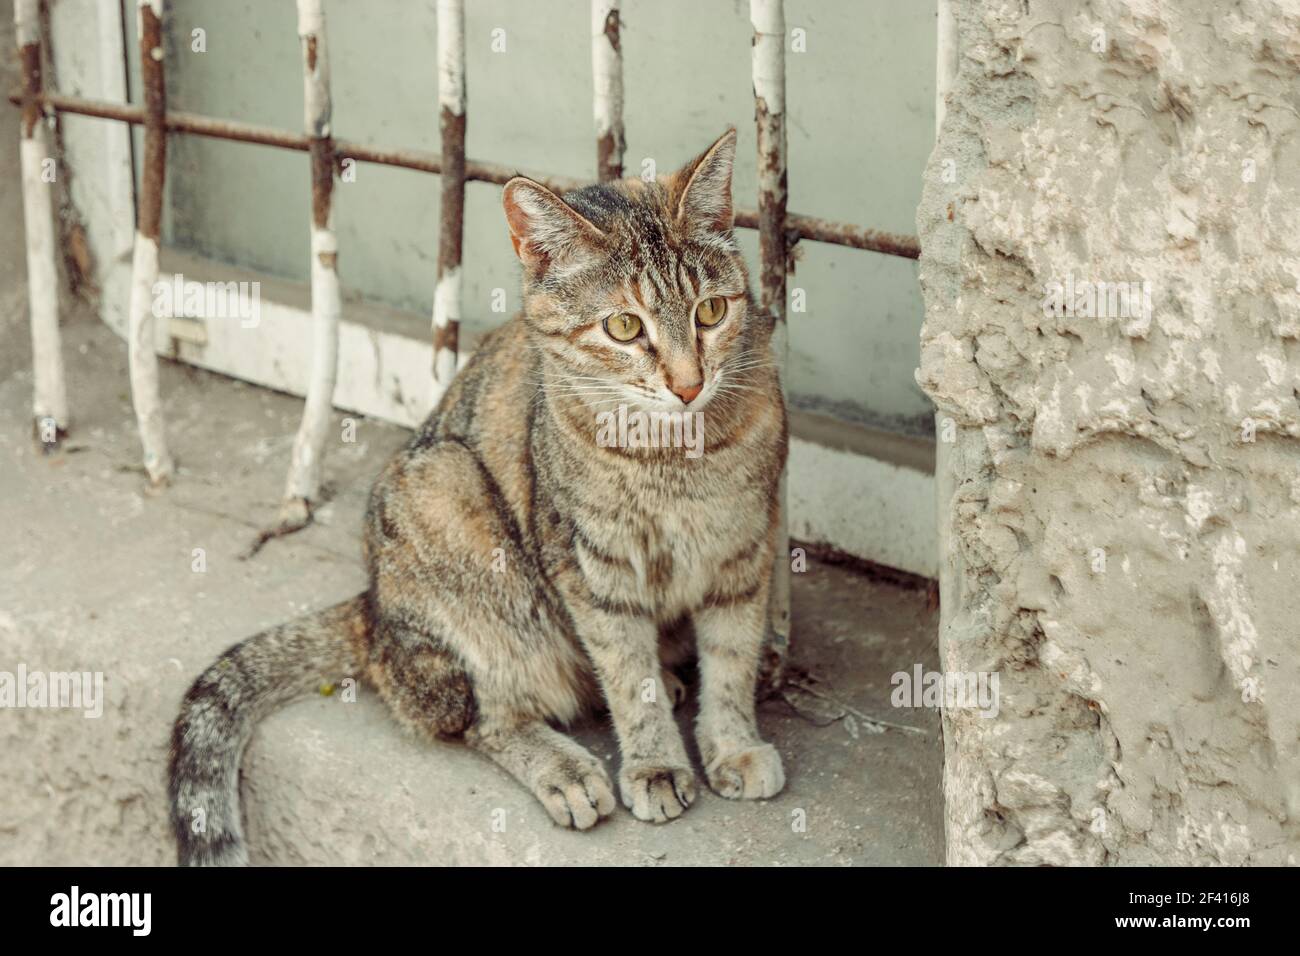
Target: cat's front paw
{"points": [[576, 793], [749, 774], [656, 793]]}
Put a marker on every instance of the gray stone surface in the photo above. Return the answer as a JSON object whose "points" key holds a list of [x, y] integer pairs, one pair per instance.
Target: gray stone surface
{"points": [[1125, 522]]}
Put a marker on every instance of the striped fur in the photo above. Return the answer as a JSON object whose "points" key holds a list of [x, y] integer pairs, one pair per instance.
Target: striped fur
{"points": [[223, 706], [522, 573]]}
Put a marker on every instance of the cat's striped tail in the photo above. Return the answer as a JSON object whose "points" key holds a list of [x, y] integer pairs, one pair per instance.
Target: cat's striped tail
{"points": [[223, 706]]}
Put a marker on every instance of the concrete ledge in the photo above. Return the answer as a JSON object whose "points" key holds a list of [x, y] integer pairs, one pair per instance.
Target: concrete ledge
{"points": [[863, 491], [330, 782], [384, 371]]}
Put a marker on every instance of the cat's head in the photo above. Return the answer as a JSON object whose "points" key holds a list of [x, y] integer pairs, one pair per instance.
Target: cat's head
{"points": [[636, 291]]}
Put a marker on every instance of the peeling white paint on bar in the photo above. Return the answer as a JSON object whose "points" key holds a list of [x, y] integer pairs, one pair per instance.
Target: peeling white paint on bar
{"points": [[945, 59], [49, 388], [302, 487], [155, 5], [446, 308], [143, 362], [606, 71], [27, 22], [316, 105], [452, 100], [142, 329], [311, 18], [768, 52], [451, 55], [768, 68]]}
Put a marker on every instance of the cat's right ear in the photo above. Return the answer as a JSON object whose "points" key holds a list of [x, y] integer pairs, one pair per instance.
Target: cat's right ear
{"points": [[543, 227]]}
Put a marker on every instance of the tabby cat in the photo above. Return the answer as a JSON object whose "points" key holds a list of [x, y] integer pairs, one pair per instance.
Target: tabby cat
{"points": [[523, 573]]}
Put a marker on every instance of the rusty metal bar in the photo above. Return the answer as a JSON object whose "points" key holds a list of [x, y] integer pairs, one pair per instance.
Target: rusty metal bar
{"points": [[768, 20], [451, 126], [843, 234], [141, 337], [302, 489], [797, 227], [607, 84], [49, 386]]}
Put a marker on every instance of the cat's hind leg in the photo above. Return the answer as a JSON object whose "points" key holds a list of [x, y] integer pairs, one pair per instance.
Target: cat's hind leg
{"points": [[430, 693], [423, 684], [465, 600]]}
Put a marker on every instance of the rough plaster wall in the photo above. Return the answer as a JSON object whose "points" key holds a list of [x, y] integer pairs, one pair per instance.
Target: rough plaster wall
{"points": [[1150, 710]]}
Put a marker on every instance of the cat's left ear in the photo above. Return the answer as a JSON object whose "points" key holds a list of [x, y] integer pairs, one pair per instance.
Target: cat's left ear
{"points": [[544, 228], [705, 183]]}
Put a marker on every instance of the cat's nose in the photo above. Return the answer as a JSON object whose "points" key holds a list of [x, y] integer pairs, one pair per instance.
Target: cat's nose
{"points": [[687, 393]]}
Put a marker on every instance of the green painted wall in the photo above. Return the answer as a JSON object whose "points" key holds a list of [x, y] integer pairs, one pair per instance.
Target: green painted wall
{"points": [[861, 118]]}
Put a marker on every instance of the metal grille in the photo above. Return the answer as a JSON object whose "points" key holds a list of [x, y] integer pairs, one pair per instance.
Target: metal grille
{"points": [[779, 230]]}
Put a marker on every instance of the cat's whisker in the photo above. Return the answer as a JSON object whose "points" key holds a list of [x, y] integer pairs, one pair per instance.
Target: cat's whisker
{"points": [[569, 379], [584, 378], [566, 388], [579, 388]]}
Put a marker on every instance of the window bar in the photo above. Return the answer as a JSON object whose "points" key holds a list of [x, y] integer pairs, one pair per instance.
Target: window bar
{"points": [[451, 124], [607, 79], [768, 60], [141, 337], [480, 171], [303, 486], [49, 388]]}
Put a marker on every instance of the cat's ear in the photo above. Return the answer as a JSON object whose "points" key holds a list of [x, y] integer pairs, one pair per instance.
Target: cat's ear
{"points": [[705, 186], [543, 227]]}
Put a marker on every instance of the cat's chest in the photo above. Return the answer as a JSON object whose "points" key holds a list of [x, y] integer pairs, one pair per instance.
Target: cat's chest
{"points": [[676, 555], [665, 535]]}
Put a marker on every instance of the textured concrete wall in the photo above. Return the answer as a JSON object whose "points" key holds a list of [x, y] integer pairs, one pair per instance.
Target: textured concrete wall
{"points": [[1124, 522]]}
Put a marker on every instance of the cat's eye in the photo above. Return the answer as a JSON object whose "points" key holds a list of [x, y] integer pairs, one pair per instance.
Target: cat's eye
{"points": [[623, 327], [711, 311]]}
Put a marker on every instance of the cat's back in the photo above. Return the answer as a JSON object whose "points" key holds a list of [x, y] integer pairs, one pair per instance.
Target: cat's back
{"points": [[483, 420], [490, 394]]}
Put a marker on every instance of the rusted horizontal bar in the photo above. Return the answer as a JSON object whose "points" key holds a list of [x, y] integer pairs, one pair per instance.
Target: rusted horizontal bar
{"points": [[797, 226], [845, 234]]}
